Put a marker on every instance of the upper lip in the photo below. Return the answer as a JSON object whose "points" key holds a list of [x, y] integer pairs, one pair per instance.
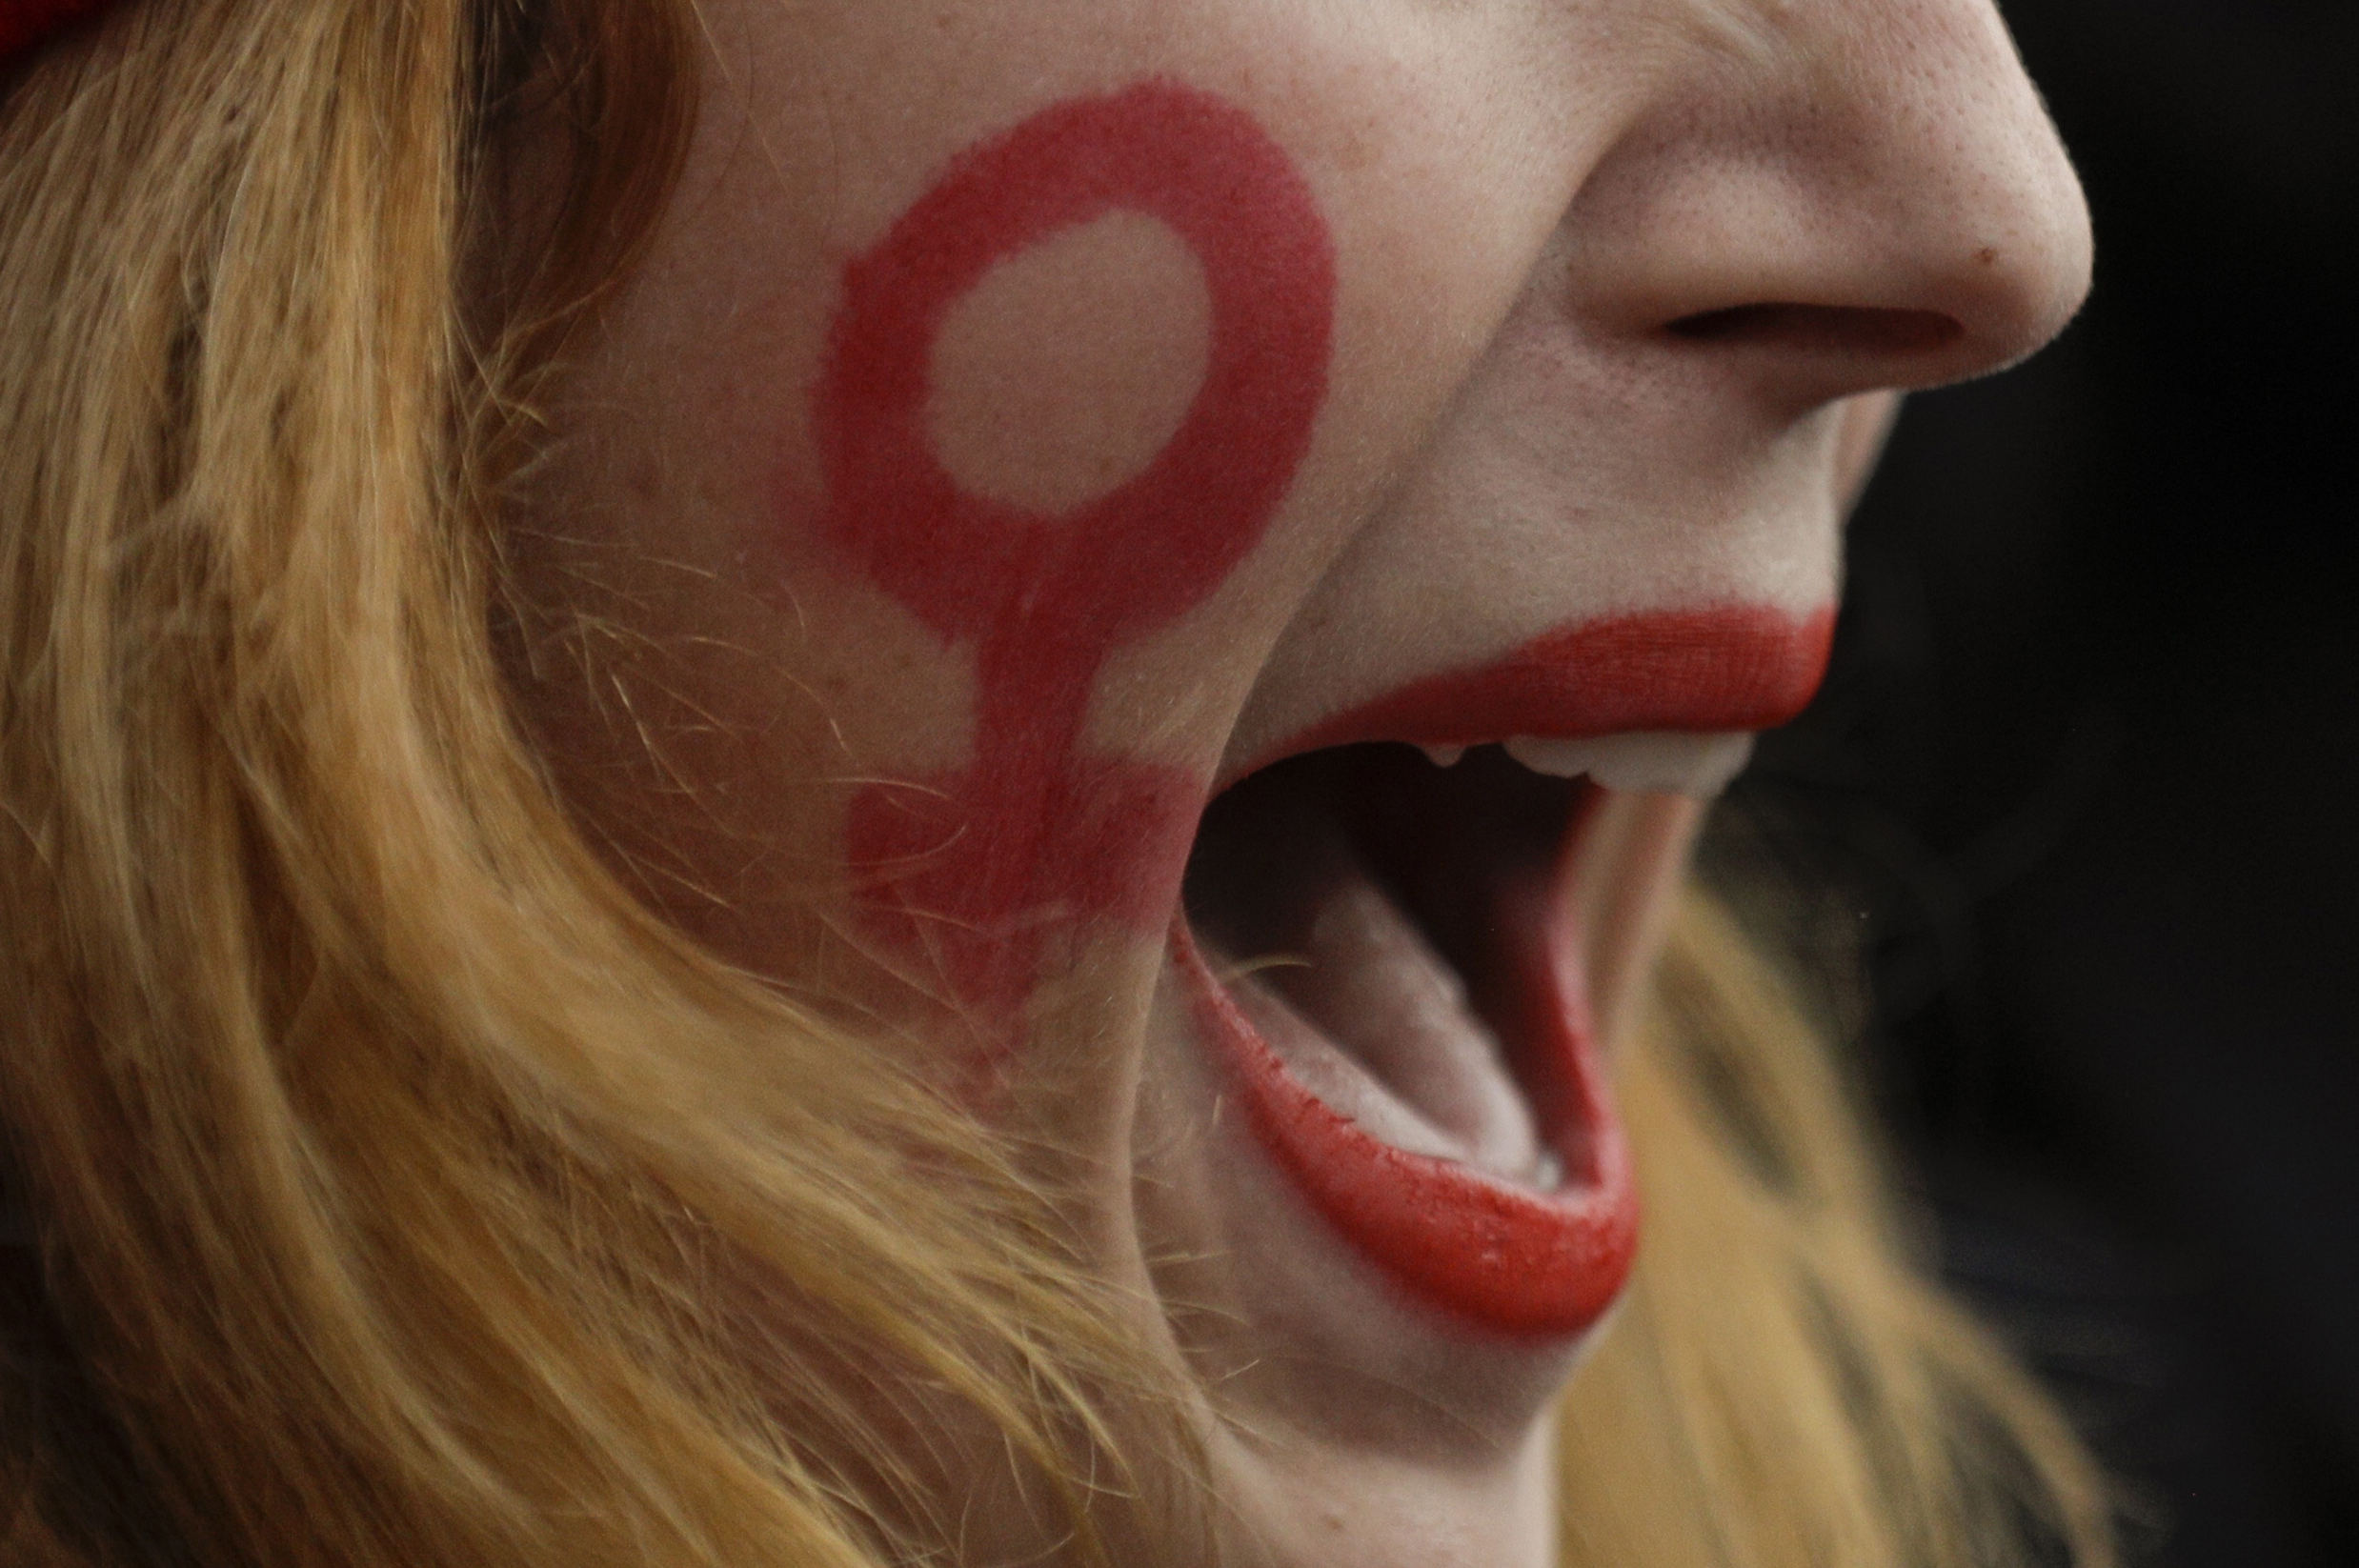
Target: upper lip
{"points": [[1716, 668]]}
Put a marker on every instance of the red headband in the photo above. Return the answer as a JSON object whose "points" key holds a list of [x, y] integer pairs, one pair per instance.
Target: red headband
{"points": [[26, 25]]}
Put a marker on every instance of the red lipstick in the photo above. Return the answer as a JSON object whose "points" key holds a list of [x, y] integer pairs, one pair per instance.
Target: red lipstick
{"points": [[1541, 1257], [1721, 668], [1511, 1258]]}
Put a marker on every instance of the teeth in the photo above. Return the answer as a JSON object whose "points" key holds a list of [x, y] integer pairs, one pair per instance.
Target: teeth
{"points": [[1668, 763], [1443, 756]]}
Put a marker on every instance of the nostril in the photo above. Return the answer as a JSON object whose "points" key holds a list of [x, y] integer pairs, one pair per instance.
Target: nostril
{"points": [[1824, 329]]}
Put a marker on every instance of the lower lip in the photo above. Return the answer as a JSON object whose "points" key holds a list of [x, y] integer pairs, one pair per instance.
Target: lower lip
{"points": [[1513, 1260]]}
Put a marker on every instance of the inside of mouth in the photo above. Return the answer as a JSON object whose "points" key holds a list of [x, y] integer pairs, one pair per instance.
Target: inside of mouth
{"points": [[1353, 901]]}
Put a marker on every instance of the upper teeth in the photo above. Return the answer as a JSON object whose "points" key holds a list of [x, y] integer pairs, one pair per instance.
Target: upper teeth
{"points": [[1666, 762]]}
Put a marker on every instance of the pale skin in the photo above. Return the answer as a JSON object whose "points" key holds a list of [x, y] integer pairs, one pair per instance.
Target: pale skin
{"points": [[1523, 197]]}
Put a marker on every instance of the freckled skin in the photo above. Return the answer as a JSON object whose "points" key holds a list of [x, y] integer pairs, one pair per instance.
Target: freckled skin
{"points": [[878, 741], [964, 871]]}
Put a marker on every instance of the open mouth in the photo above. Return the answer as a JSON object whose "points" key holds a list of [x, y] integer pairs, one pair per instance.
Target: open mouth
{"points": [[1379, 945]]}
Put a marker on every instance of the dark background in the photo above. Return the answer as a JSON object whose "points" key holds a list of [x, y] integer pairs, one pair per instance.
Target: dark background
{"points": [[2085, 774]]}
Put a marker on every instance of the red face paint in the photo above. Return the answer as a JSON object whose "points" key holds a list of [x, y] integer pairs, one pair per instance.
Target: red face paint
{"points": [[966, 872]]}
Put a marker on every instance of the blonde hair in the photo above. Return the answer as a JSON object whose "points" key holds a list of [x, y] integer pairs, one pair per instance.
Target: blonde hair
{"points": [[1783, 1389], [405, 1193]]}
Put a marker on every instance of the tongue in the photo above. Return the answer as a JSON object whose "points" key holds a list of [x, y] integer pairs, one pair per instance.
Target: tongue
{"points": [[1351, 996]]}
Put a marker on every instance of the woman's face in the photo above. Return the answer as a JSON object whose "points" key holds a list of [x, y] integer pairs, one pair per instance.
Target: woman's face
{"points": [[1036, 420]]}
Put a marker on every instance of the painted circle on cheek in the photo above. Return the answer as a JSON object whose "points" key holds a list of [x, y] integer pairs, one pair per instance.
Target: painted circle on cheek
{"points": [[1141, 555], [967, 873], [1063, 373]]}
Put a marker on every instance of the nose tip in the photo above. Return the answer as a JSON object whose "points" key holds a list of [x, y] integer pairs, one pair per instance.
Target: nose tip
{"points": [[1883, 203], [1974, 214]]}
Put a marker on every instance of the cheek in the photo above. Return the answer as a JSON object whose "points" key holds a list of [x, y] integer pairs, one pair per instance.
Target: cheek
{"points": [[1062, 375], [1039, 501]]}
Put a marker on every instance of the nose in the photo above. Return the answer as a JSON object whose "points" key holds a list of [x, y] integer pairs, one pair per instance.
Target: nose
{"points": [[1883, 203]]}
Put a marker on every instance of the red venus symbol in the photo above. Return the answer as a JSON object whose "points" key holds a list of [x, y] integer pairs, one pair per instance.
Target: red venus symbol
{"points": [[966, 873]]}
